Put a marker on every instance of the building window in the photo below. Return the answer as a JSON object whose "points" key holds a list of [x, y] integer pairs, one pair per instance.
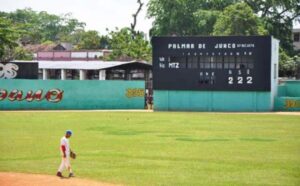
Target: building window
{"points": [[116, 74], [137, 75], [54, 73], [92, 74], [296, 37], [40, 74], [72, 74]]}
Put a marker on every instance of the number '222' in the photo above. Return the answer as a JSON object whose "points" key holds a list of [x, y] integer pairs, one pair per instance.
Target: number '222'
{"points": [[240, 80]]}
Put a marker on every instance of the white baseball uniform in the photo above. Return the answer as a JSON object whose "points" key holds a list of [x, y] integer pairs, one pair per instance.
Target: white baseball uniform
{"points": [[65, 161]]}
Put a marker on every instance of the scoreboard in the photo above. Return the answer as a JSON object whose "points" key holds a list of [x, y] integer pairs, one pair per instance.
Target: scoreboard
{"points": [[221, 63]]}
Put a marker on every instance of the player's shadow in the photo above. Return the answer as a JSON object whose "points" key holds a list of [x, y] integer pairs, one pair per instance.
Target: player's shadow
{"points": [[66, 177]]}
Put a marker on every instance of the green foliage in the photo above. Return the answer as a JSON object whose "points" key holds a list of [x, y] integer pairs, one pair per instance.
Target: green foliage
{"points": [[47, 43], [206, 20], [9, 35], [74, 38], [160, 148], [184, 17], [89, 40], [41, 26], [238, 19], [296, 58], [278, 17], [126, 45], [21, 54], [104, 42], [287, 64], [82, 39], [171, 17]]}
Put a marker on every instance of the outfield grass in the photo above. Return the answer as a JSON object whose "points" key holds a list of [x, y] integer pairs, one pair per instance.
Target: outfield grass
{"points": [[157, 148]]}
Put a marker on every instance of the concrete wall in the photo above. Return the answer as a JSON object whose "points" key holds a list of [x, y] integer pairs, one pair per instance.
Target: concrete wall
{"points": [[71, 94], [287, 104], [288, 97], [212, 101]]}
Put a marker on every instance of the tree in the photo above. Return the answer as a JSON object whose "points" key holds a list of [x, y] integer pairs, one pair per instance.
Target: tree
{"points": [[278, 17], [185, 17], [104, 42], [238, 19], [206, 19], [89, 40], [296, 58], [127, 43], [75, 37], [287, 65], [8, 39], [41, 26], [21, 54], [70, 25], [125, 46], [132, 25], [197, 17]]}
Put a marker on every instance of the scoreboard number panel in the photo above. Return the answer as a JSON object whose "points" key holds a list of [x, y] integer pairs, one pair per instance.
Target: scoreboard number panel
{"points": [[229, 63]]}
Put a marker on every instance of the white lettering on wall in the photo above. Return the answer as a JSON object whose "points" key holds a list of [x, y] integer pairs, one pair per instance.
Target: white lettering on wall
{"points": [[8, 71]]}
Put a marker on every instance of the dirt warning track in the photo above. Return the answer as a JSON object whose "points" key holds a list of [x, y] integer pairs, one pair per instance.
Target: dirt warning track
{"points": [[22, 179]]}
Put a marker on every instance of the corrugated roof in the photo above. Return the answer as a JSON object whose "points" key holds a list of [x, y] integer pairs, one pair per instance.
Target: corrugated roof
{"points": [[84, 65]]}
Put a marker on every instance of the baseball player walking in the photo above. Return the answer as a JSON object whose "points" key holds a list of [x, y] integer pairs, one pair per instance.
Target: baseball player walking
{"points": [[65, 153]]}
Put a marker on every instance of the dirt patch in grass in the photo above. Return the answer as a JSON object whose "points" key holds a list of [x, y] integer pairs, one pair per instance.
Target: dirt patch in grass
{"points": [[22, 179]]}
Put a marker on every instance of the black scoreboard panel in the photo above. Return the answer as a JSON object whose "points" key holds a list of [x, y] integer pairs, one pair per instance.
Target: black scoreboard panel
{"points": [[18, 70], [229, 63]]}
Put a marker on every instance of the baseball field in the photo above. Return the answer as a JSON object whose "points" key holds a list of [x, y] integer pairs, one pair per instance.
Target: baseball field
{"points": [[160, 148]]}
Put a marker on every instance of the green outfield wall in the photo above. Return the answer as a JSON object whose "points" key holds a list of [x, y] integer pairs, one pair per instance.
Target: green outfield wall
{"points": [[288, 98], [71, 94], [212, 101]]}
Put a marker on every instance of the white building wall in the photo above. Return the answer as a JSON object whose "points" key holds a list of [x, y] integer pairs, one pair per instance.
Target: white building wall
{"points": [[296, 43], [78, 54]]}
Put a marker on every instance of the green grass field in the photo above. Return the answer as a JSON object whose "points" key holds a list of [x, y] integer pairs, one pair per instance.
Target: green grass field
{"points": [[164, 148]]}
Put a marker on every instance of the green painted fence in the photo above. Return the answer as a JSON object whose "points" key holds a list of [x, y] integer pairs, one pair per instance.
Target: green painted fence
{"points": [[71, 94], [290, 89], [212, 101], [287, 104], [288, 98]]}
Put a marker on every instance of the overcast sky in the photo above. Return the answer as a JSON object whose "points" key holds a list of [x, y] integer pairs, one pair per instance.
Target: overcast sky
{"points": [[97, 14]]}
